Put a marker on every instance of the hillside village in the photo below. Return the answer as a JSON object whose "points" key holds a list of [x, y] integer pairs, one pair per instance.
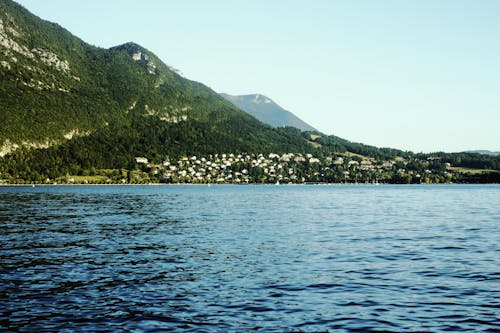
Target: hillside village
{"points": [[272, 168], [288, 168]]}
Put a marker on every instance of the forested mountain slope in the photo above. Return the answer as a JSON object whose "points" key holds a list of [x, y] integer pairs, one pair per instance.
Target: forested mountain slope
{"points": [[55, 88]]}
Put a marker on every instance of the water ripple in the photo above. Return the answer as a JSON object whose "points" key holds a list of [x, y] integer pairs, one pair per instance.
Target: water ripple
{"points": [[263, 258]]}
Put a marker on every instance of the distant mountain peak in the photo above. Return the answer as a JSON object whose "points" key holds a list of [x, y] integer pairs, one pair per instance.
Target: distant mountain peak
{"points": [[261, 99], [267, 111], [484, 152]]}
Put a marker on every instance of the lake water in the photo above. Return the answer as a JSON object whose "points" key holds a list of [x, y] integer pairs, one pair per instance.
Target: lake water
{"points": [[250, 258]]}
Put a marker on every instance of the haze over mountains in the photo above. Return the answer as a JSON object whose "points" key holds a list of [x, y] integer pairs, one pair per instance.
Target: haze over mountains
{"points": [[267, 111], [484, 152]]}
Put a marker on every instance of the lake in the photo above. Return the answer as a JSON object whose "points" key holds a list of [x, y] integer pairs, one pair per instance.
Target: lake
{"points": [[269, 258]]}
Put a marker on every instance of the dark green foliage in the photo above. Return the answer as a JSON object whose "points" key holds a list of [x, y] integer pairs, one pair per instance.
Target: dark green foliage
{"points": [[468, 160], [124, 101], [333, 143], [492, 177]]}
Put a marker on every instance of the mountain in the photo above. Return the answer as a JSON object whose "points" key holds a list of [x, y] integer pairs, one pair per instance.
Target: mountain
{"points": [[88, 105], [267, 111], [484, 152], [68, 108]]}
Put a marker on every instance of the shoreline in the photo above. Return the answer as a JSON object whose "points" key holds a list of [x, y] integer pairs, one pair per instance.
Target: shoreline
{"points": [[228, 184]]}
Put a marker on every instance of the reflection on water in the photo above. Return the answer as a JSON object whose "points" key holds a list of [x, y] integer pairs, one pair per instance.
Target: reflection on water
{"points": [[239, 258]]}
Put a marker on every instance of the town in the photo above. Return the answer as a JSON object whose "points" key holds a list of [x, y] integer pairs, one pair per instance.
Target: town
{"points": [[289, 168]]}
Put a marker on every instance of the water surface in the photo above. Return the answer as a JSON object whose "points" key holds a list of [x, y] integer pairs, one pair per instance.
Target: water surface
{"points": [[242, 258]]}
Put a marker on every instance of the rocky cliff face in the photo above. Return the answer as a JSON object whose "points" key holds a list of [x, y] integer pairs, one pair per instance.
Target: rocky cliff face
{"points": [[30, 72], [15, 53]]}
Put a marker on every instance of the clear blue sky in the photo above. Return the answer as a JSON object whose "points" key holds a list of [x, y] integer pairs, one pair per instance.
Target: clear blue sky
{"points": [[422, 75]]}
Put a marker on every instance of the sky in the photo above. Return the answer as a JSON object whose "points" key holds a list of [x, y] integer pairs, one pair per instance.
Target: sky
{"points": [[421, 75]]}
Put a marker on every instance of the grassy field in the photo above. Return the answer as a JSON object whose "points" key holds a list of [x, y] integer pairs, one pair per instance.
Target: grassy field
{"points": [[80, 179], [363, 157], [314, 144], [100, 176]]}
